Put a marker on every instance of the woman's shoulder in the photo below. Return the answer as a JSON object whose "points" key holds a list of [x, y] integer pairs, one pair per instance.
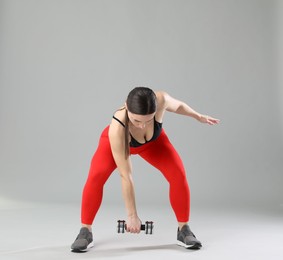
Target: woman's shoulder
{"points": [[120, 114], [161, 105], [161, 99], [117, 125], [161, 95]]}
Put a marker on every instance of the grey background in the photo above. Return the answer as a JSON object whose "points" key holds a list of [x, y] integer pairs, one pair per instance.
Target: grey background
{"points": [[65, 66]]}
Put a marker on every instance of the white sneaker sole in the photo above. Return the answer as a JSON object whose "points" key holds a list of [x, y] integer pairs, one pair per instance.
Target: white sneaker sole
{"points": [[195, 246], [90, 245]]}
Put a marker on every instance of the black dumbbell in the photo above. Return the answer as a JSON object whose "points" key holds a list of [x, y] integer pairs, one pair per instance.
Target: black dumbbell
{"points": [[147, 227]]}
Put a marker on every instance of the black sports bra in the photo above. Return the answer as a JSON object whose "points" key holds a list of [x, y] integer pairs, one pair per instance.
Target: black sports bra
{"points": [[156, 133]]}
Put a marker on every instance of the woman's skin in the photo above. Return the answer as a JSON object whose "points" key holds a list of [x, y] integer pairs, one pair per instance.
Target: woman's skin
{"points": [[141, 128]]}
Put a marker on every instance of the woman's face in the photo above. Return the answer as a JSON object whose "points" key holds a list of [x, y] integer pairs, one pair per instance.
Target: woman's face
{"points": [[140, 121]]}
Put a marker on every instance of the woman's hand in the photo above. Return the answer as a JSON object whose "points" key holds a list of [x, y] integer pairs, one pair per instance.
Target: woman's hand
{"points": [[133, 224], [208, 120]]}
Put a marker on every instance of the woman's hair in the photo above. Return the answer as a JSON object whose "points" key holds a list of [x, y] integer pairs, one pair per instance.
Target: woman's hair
{"points": [[140, 101]]}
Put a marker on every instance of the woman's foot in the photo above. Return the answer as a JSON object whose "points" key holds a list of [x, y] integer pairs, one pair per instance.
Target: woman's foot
{"points": [[187, 239], [84, 241]]}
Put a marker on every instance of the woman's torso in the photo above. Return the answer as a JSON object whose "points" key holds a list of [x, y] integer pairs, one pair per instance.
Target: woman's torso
{"points": [[150, 132]]}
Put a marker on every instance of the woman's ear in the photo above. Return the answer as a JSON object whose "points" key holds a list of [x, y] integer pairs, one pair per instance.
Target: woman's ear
{"points": [[126, 106]]}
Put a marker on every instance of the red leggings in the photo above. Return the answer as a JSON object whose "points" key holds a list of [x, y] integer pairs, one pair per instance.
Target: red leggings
{"points": [[160, 153]]}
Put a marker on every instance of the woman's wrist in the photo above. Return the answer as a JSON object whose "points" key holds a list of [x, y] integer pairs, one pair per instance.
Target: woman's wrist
{"points": [[132, 214], [198, 116]]}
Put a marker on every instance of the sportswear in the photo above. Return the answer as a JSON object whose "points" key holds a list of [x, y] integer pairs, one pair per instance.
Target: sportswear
{"points": [[156, 132]]}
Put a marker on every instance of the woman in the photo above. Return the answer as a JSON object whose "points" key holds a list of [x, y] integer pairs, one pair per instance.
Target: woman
{"points": [[136, 128]]}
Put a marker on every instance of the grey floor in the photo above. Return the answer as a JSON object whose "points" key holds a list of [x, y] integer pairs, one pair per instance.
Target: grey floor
{"points": [[30, 231]]}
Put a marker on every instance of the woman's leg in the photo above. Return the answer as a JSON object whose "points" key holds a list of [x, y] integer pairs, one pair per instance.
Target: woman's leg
{"points": [[162, 155], [102, 165]]}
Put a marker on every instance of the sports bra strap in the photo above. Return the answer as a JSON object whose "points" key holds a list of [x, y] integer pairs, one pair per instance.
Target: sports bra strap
{"points": [[119, 121]]}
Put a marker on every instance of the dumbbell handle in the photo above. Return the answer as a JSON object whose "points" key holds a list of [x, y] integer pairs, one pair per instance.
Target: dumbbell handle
{"points": [[148, 226], [142, 227]]}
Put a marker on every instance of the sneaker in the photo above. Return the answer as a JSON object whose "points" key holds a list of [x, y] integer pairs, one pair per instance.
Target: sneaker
{"points": [[187, 239], [83, 241]]}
